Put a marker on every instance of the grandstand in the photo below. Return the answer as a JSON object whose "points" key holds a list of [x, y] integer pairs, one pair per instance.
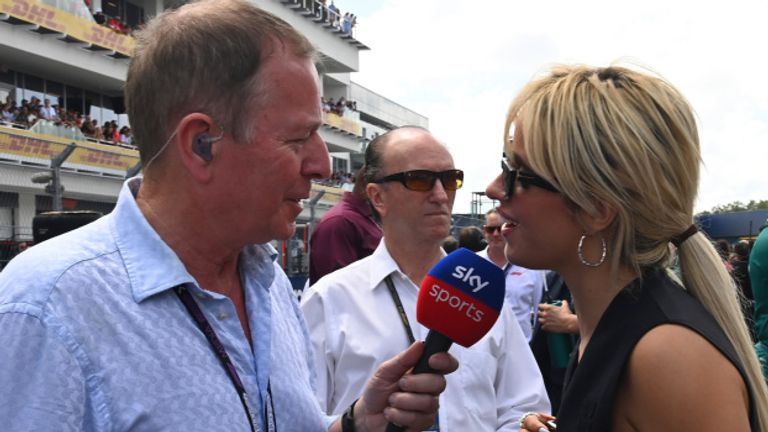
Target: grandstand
{"points": [[56, 50]]}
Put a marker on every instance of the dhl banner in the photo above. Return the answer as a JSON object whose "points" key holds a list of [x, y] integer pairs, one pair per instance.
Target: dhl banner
{"points": [[343, 123], [27, 146], [52, 18]]}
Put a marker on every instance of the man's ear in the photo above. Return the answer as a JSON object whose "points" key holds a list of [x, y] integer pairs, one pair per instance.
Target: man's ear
{"points": [[375, 194], [193, 128]]}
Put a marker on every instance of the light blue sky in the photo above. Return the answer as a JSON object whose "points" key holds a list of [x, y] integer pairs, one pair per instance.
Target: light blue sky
{"points": [[461, 63]]}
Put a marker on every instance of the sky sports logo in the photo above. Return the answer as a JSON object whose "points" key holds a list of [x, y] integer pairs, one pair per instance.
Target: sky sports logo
{"points": [[466, 306], [465, 275], [461, 297]]}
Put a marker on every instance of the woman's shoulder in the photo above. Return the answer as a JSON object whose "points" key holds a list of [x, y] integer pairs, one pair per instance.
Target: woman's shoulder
{"points": [[673, 367]]}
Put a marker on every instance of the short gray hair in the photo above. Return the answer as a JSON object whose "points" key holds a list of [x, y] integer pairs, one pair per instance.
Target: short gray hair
{"points": [[200, 58]]}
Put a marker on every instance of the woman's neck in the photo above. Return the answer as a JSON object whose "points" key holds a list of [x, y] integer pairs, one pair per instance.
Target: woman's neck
{"points": [[593, 290]]}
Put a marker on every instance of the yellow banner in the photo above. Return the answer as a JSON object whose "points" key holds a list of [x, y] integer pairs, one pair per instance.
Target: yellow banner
{"points": [[22, 146], [345, 124], [101, 159], [332, 193], [36, 12], [25, 144]]}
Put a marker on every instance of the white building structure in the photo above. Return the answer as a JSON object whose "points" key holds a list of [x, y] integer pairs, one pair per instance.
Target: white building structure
{"points": [[55, 49]]}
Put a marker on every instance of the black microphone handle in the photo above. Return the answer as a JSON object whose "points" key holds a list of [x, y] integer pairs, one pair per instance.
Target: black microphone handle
{"points": [[434, 343]]}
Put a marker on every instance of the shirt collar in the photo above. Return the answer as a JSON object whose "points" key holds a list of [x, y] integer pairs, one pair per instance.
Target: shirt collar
{"points": [[152, 266], [383, 265]]}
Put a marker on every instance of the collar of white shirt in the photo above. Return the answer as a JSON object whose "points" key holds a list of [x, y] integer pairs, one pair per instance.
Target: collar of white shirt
{"points": [[383, 265]]}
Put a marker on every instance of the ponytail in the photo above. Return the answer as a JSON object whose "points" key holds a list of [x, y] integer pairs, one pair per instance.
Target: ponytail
{"points": [[705, 277]]}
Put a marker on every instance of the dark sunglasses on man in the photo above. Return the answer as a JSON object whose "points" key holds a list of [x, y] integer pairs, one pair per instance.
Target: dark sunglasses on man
{"points": [[509, 175], [490, 229], [424, 180]]}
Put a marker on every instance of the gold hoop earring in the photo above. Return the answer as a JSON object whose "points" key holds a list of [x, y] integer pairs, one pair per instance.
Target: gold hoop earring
{"points": [[580, 251]]}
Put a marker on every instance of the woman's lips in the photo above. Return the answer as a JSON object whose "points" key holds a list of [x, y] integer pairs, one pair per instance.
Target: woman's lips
{"points": [[508, 226], [508, 223]]}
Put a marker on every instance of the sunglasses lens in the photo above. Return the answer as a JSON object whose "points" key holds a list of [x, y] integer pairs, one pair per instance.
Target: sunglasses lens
{"points": [[419, 181], [492, 229], [525, 182], [452, 180]]}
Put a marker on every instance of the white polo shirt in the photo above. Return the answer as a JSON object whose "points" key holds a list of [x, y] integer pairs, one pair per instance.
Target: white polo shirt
{"points": [[525, 288]]}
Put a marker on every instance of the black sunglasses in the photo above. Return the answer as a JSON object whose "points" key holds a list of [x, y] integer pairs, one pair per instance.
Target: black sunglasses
{"points": [[490, 229], [424, 180], [509, 175]]}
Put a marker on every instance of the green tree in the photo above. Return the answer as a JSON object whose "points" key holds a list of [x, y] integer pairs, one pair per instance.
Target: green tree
{"points": [[737, 206]]}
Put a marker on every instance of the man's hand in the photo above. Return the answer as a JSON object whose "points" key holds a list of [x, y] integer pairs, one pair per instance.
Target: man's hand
{"points": [[393, 395]]}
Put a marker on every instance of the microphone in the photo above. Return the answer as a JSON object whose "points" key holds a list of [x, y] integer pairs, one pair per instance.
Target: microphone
{"points": [[459, 301]]}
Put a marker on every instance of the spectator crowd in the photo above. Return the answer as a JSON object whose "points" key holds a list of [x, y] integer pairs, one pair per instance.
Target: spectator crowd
{"points": [[339, 106], [27, 114], [330, 14], [114, 23], [339, 179]]}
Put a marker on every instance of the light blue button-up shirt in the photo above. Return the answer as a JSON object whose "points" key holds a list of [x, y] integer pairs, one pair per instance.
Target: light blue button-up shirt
{"points": [[93, 337]]}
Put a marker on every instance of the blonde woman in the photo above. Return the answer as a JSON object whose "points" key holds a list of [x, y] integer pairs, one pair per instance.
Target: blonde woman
{"points": [[600, 173]]}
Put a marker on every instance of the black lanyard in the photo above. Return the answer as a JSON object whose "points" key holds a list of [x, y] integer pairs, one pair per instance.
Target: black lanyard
{"points": [[407, 325], [221, 353], [400, 309]]}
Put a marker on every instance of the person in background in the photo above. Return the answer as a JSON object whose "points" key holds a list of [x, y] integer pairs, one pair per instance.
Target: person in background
{"points": [[171, 312], [471, 237], [9, 111], [723, 249], [346, 25], [125, 135], [48, 112], [345, 234], [740, 263], [334, 15], [525, 287], [99, 17], [599, 177], [366, 311], [450, 244], [758, 276]]}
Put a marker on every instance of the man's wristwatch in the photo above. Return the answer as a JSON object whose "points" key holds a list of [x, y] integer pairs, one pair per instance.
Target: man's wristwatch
{"points": [[348, 419]]}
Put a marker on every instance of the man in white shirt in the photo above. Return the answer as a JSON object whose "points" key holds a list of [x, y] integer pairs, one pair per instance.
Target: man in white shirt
{"points": [[352, 314], [48, 112], [524, 286]]}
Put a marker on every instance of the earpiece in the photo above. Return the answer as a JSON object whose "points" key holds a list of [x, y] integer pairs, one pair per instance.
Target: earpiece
{"points": [[202, 146]]}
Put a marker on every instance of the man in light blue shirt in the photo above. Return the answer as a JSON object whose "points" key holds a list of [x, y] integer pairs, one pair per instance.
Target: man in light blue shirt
{"points": [[170, 313]]}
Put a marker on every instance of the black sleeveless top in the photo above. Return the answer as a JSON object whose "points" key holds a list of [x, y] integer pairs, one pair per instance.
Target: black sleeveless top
{"points": [[590, 387]]}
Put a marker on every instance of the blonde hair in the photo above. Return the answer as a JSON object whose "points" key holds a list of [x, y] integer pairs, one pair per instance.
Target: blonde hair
{"points": [[629, 140]]}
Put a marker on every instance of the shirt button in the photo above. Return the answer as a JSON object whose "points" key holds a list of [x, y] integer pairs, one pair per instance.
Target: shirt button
{"points": [[200, 294], [221, 316]]}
